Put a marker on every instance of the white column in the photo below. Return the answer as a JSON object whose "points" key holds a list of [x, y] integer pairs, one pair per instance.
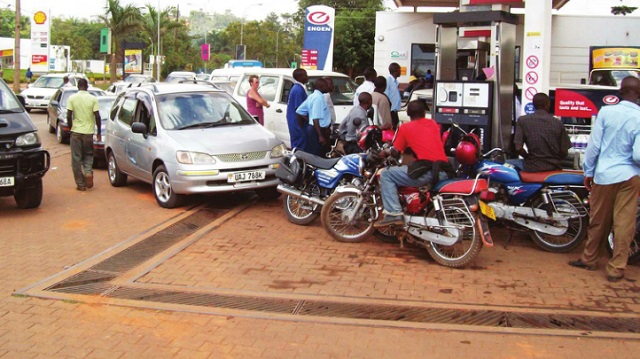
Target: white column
{"points": [[536, 52]]}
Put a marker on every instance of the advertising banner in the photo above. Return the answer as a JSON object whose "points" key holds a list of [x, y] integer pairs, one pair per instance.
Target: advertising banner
{"points": [[583, 103], [318, 35], [309, 59], [204, 52], [133, 61], [603, 57], [59, 58], [40, 31]]}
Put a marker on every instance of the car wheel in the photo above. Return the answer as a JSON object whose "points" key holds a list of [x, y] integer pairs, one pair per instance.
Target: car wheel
{"points": [[30, 197], [116, 177], [165, 196], [51, 128], [60, 136]]}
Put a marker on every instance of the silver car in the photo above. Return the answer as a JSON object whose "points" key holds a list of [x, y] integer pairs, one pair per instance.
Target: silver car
{"points": [[186, 139]]}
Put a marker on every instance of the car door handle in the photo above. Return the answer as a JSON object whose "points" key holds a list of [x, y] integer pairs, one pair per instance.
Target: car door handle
{"points": [[279, 110]]}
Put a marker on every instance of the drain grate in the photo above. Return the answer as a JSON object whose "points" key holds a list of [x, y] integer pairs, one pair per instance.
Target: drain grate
{"points": [[158, 242]]}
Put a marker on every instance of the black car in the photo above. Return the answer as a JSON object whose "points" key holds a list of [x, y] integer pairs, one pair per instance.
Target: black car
{"points": [[23, 161], [57, 111]]}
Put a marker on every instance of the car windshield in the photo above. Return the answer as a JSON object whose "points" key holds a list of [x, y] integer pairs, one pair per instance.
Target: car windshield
{"points": [[8, 102], [343, 89], [48, 82], [199, 110], [65, 95], [105, 104]]}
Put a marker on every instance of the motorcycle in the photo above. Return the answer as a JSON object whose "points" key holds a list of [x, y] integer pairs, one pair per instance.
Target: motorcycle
{"points": [[307, 180], [634, 249], [545, 203], [445, 219]]}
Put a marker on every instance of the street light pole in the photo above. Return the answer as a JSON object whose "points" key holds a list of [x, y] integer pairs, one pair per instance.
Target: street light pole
{"points": [[16, 53], [242, 23], [158, 46]]}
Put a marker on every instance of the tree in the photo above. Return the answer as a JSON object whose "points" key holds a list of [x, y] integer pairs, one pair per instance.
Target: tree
{"points": [[120, 20], [623, 9], [8, 24], [149, 27]]}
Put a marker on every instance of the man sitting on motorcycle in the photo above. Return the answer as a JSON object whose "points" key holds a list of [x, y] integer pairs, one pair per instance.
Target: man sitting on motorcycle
{"points": [[545, 136], [422, 136], [355, 120]]}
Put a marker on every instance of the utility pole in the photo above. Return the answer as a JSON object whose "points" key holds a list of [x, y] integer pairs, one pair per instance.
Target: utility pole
{"points": [[16, 52]]}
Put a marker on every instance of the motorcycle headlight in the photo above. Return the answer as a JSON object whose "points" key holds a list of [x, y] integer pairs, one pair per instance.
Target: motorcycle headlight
{"points": [[278, 151], [187, 157], [28, 139]]}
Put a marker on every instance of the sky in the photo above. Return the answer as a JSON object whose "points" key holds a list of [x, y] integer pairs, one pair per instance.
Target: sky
{"points": [[88, 8]]}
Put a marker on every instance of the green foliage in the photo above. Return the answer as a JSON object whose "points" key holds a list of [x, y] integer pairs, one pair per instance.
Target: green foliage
{"points": [[120, 20], [8, 24], [81, 35], [623, 10]]}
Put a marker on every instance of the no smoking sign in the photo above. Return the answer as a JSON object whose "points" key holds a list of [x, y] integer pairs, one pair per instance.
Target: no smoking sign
{"points": [[529, 92], [531, 77]]}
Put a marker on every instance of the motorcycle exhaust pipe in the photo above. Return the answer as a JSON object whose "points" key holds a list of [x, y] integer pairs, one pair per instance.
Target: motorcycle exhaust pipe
{"points": [[297, 194]]}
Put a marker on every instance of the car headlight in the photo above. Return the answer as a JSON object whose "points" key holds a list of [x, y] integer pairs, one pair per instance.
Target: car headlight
{"points": [[187, 157], [28, 139], [278, 151]]}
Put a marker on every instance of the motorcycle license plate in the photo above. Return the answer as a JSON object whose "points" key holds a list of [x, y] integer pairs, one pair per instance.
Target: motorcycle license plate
{"points": [[487, 211], [245, 176], [7, 181]]}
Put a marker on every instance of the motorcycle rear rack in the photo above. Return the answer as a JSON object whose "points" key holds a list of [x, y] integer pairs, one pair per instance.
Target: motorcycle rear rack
{"points": [[462, 216], [560, 199]]}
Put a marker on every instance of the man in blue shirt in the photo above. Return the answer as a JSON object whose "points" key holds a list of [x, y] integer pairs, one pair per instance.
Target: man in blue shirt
{"points": [[315, 110], [393, 92], [297, 95], [612, 174]]}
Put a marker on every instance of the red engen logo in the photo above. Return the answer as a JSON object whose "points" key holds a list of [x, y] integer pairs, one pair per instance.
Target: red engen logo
{"points": [[610, 99], [318, 18]]}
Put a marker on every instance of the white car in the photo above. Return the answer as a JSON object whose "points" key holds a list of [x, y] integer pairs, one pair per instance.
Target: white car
{"points": [[38, 94], [275, 85]]}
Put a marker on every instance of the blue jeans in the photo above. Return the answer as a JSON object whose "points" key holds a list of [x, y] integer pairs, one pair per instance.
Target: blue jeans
{"points": [[394, 177]]}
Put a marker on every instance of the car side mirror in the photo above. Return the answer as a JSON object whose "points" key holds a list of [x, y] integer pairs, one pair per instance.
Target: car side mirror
{"points": [[139, 127]]}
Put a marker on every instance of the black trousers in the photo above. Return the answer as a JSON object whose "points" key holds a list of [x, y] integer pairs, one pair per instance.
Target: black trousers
{"points": [[395, 120]]}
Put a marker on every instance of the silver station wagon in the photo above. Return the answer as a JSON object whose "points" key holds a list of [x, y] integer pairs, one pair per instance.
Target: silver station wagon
{"points": [[186, 139]]}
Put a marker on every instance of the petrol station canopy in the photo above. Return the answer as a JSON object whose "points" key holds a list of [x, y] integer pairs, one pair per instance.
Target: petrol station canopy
{"points": [[556, 4]]}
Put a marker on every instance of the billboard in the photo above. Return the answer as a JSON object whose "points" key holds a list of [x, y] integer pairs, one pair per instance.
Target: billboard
{"points": [[133, 61], [583, 103], [612, 57], [40, 31], [60, 58], [318, 35]]}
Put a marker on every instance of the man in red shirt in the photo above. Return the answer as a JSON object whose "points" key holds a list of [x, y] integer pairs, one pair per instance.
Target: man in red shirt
{"points": [[422, 136]]}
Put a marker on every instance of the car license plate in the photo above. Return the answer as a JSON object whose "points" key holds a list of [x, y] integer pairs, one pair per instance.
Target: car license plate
{"points": [[245, 176], [6, 181], [487, 210]]}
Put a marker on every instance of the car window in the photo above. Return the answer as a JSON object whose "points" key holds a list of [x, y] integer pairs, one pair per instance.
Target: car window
{"points": [[105, 107], [205, 109], [127, 111], [267, 88], [145, 112], [343, 89], [48, 82], [8, 101], [286, 88], [56, 96]]}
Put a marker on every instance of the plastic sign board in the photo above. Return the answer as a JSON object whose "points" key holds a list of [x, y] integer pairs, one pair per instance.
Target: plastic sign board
{"points": [[133, 61], [583, 103], [105, 41], [318, 35], [40, 40], [614, 57], [309, 59]]}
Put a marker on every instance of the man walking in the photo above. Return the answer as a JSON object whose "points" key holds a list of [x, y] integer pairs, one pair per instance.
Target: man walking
{"points": [[393, 92], [83, 116], [612, 174], [297, 95]]}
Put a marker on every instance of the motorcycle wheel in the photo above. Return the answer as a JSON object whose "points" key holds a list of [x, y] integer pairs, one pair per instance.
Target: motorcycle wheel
{"points": [[462, 252], [300, 211], [572, 237], [334, 220], [634, 249]]}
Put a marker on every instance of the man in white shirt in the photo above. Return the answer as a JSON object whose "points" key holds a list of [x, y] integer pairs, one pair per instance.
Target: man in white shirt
{"points": [[368, 86]]}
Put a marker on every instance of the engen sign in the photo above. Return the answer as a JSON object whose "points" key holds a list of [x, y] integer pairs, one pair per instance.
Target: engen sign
{"points": [[318, 36]]}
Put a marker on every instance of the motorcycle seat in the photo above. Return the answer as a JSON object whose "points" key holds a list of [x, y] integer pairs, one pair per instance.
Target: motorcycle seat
{"points": [[318, 162], [460, 185], [559, 177]]}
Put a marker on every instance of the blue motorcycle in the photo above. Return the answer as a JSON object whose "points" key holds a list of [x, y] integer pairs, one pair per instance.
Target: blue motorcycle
{"points": [[544, 203], [307, 180]]}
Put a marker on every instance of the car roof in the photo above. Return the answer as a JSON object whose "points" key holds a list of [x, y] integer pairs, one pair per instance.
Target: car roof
{"points": [[63, 75], [272, 71], [182, 73], [169, 88]]}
